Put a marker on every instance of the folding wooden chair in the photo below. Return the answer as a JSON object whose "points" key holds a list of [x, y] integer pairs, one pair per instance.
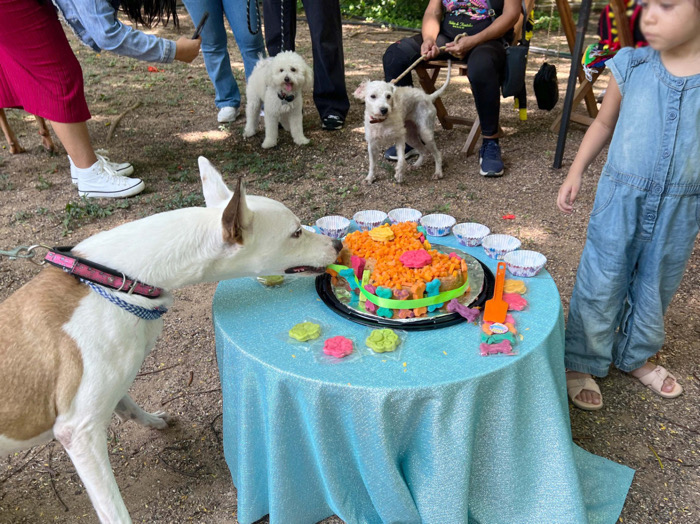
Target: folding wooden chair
{"points": [[584, 91], [428, 72]]}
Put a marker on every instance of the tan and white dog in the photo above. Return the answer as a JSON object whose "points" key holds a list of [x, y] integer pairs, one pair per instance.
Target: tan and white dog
{"points": [[395, 116], [68, 355], [13, 142], [278, 82]]}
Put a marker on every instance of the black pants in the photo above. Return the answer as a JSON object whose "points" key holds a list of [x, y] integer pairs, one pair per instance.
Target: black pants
{"points": [[280, 16], [485, 68]]}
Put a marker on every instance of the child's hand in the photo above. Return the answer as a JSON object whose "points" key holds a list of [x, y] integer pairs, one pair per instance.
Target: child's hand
{"points": [[568, 192], [187, 49]]}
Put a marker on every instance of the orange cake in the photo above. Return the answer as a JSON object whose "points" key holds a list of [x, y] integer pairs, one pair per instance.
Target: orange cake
{"points": [[398, 257]]}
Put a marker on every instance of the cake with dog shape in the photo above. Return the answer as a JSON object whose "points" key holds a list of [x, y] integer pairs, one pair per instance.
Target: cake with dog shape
{"points": [[391, 267]]}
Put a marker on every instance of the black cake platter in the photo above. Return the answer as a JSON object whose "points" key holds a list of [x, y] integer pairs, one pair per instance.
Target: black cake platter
{"points": [[481, 284]]}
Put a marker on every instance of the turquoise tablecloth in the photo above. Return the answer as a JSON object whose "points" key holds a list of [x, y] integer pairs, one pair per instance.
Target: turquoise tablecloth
{"points": [[441, 435]]}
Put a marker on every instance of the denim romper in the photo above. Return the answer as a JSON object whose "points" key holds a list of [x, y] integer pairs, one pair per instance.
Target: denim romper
{"points": [[644, 221]]}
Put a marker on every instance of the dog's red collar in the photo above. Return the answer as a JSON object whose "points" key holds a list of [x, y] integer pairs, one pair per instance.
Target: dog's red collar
{"points": [[104, 276]]}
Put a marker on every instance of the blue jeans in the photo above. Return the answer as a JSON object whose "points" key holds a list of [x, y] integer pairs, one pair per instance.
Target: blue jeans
{"points": [[637, 246], [214, 43]]}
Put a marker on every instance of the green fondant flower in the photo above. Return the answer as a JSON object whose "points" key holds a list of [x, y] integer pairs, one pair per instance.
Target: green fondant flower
{"points": [[305, 331], [382, 340]]}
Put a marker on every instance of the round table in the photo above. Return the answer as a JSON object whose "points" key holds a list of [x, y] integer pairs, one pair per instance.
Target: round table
{"points": [[438, 435]]}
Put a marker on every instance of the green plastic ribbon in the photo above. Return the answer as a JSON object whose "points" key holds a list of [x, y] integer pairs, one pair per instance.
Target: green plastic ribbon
{"points": [[391, 303]]}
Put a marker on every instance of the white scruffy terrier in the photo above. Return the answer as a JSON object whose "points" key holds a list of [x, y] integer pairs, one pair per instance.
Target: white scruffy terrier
{"points": [[278, 83], [395, 116], [70, 348]]}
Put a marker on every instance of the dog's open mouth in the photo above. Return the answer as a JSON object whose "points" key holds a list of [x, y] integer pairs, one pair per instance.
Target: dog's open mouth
{"points": [[304, 269], [287, 92], [377, 119]]}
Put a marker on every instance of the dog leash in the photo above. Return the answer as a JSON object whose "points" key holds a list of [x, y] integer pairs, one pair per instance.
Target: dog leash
{"points": [[25, 252], [423, 57]]}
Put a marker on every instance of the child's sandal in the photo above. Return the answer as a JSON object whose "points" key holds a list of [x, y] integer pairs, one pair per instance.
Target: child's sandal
{"points": [[574, 386], [654, 380]]}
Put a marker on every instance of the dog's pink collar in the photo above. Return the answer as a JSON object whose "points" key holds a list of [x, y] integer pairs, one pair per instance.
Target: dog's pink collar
{"points": [[104, 276]]}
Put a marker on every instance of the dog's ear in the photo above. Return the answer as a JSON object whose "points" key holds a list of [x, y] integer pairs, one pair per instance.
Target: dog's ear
{"points": [[360, 91], [236, 216], [216, 194]]}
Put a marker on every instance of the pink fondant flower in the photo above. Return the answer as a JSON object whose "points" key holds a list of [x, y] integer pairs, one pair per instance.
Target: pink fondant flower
{"points": [[338, 347], [416, 259]]}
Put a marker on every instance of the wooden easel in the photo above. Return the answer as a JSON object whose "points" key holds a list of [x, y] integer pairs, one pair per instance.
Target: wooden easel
{"points": [[585, 89]]}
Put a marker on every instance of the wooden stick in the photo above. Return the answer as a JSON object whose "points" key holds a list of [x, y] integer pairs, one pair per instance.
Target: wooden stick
{"points": [[114, 125]]}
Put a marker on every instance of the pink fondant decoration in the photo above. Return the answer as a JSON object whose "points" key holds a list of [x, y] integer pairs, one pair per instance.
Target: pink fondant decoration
{"points": [[493, 349], [338, 347], [515, 301], [358, 266], [401, 294], [416, 259], [370, 307]]}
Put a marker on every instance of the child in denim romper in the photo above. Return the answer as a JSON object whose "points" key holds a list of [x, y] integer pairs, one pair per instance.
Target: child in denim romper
{"points": [[646, 213]]}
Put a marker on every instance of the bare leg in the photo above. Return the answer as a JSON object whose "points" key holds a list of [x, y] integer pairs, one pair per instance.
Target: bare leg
{"points": [[76, 140]]}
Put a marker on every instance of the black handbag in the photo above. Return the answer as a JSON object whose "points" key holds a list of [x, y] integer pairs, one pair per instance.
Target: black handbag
{"points": [[516, 59], [546, 87]]}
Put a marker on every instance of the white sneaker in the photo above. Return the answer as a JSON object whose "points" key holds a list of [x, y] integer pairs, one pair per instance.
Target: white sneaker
{"points": [[101, 181], [120, 169], [228, 114]]}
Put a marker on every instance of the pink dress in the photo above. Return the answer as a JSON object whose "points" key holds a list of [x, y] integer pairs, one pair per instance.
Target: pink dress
{"points": [[38, 69]]}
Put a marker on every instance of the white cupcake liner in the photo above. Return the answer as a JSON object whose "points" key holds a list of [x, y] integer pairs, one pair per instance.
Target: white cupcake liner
{"points": [[470, 233], [496, 246], [309, 228], [404, 214], [438, 224], [369, 219], [333, 226], [524, 263]]}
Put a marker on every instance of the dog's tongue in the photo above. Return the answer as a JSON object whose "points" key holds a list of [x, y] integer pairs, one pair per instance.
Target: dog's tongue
{"points": [[288, 87]]}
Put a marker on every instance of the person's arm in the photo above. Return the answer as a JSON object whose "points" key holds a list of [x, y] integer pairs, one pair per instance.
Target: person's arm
{"points": [[100, 21], [593, 142], [430, 29], [499, 27]]}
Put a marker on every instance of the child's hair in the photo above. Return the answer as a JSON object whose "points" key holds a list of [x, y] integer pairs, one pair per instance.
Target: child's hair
{"points": [[148, 12]]}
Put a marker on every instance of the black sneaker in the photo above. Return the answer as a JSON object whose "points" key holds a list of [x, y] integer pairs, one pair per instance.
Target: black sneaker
{"points": [[332, 122], [391, 153], [490, 159]]}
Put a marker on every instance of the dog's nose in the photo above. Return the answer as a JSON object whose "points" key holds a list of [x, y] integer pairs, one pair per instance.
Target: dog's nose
{"points": [[384, 110], [337, 245], [286, 79]]}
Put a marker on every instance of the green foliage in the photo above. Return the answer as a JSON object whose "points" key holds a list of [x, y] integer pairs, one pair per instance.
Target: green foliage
{"points": [[77, 213], [406, 13], [5, 183], [547, 21]]}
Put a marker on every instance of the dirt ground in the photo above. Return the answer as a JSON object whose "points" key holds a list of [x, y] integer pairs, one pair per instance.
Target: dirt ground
{"points": [[179, 475]]}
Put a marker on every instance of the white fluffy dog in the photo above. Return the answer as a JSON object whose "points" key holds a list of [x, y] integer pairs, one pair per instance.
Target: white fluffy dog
{"points": [[278, 83], [395, 116]]}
